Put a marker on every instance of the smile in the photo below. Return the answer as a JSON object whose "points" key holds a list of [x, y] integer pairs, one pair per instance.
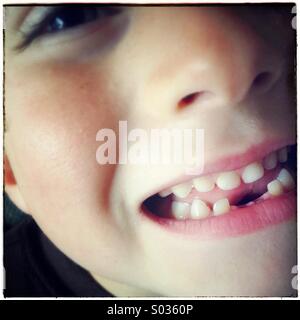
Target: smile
{"points": [[229, 203]]}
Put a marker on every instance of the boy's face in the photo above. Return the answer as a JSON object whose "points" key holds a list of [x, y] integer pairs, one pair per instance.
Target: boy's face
{"points": [[139, 64]]}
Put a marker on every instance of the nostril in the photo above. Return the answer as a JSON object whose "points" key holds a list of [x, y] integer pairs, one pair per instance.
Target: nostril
{"points": [[187, 100], [262, 81], [191, 98]]}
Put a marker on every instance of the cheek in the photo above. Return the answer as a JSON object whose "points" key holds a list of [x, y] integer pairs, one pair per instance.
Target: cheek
{"points": [[53, 118]]}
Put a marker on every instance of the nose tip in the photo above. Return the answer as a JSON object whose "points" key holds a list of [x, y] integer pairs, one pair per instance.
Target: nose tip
{"points": [[224, 67], [260, 84], [237, 64]]}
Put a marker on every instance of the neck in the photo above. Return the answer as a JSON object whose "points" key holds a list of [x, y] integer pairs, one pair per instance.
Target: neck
{"points": [[119, 289]]}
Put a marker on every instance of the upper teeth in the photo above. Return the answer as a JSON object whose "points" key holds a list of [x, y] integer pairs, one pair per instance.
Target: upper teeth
{"points": [[229, 180], [182, 190], [270, 162], [286, 179], [199, 209], [204, 184], [282, 155], [165, 193], [253, 172]]}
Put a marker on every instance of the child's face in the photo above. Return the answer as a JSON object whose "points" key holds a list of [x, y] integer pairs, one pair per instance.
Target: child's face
{"points": [[138, 65]]}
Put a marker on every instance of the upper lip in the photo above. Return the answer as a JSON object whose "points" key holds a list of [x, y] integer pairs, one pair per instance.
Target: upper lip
{"points": [[228, 163]]}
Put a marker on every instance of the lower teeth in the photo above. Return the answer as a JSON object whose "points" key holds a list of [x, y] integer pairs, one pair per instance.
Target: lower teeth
{"points": [[200, 210], [181, 210]]}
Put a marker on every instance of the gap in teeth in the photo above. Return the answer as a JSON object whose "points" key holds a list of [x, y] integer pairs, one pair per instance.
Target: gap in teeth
{"points": [[199, 209]]}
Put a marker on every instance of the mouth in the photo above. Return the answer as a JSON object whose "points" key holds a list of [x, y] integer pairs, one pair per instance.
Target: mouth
{"points": [[230, 203]]}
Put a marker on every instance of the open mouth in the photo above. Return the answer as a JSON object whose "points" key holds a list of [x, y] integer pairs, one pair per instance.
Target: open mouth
{"points": [[207, 198]]}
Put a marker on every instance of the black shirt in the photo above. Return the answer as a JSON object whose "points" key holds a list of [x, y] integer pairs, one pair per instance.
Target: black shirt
{"points": [[34, 267]]}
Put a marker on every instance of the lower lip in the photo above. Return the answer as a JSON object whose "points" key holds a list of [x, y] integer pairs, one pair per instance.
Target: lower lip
{"points": [[238, 222]]}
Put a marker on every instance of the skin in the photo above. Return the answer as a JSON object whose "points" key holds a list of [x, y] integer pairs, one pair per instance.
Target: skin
{"points": [[63, 88]]}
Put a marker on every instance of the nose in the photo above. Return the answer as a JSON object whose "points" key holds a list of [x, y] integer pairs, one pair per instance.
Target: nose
{"points": [[217, 60], [227, 89]]}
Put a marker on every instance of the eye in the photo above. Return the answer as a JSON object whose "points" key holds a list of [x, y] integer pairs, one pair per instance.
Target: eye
{"points": [[64, 18]]}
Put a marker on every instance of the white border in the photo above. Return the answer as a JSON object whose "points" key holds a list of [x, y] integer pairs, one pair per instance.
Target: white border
{"points": [[7, 2]]}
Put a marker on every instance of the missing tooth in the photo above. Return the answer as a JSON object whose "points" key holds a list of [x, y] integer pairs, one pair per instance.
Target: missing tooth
{"points": [[248, 198]]}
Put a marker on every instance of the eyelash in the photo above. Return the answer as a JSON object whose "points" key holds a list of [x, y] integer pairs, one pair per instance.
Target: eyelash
{"points": [[44, 27]]}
